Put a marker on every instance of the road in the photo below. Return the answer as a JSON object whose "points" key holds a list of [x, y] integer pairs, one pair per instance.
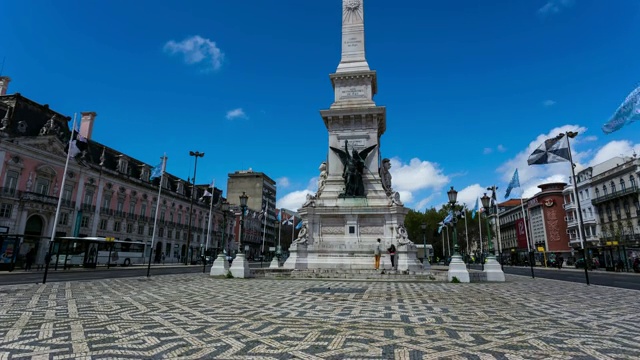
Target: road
{"points": [[80, 274], [598, 277]]}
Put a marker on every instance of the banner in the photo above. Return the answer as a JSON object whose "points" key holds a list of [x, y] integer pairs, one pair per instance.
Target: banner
{"points": [[521, 234]]}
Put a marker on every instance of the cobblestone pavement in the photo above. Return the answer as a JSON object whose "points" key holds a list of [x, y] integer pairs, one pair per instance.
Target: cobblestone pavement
{"points": [[193, 316]]}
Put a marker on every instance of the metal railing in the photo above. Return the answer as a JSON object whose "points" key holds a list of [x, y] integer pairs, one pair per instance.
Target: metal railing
{"points": [[615, 194]]}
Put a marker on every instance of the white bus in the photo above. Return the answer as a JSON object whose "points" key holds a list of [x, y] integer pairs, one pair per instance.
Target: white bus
{"points": [[94, 251]]}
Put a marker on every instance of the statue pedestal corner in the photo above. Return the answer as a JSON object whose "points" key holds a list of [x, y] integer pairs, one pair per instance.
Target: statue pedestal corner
{"points": [[458, 268], [493, 270], [220, 266], [240, 267], [407, 259], [297, 259]]}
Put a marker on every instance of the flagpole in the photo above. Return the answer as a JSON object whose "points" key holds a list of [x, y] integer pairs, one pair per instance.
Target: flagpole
{"points": [[279, 230], [481, 241], [571, 134], [466, 230], [526, 234], [155, 220], [213, 190], [264, 231], [55, 218]]}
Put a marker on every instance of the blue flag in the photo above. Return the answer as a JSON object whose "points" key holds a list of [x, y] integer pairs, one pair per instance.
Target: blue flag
{"points": [[299, 226], [156, 172], [279, 215], [627, 112], [475, 209], [515, 183]]}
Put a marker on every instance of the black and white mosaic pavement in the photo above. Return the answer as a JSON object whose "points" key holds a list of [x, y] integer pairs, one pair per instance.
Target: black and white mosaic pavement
{"points": [[194, 316]]}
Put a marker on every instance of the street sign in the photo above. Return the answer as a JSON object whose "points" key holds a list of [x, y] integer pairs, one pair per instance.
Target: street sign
{"points": [[541, 248], [272, 248]]}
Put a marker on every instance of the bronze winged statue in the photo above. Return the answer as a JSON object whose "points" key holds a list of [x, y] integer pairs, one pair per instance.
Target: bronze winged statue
{"points": [[354, 165]]}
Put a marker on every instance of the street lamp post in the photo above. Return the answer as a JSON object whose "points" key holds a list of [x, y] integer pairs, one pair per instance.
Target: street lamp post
{"points": [[195, 154], [457, 267], [426, 265], [491, 268], [453, 196], [221, 264], [240, 267]]}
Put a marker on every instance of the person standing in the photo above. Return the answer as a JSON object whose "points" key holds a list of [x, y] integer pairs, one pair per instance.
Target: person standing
{"points": [[29, 258], [392, 255], [376, 253]]}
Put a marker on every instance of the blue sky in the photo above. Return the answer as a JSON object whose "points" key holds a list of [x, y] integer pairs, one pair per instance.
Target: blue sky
{"points": [[471, 87]]}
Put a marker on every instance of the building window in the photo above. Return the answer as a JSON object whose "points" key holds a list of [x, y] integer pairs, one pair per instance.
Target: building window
{"points": [[11, 182], [169, 234], [129, 228], [171, 217], [132, 208], [120, 206], [5, 210], [622, 186], [627, 208], [150, 233], [597, 193], [616, 207], [88, 197], [42, 186], [184, 236], [604, 190], [103, 224], [632, 180], [177, 235], [67, 193], [161, 232], [63, 219], [613, 187], [143, 209], [116, 226], [162, 215], [84, 222], [140, 228], [106, 202]]}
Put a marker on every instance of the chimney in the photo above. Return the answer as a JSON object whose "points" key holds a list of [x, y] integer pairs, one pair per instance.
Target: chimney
{"points": [[86, 124], [4, 84]]}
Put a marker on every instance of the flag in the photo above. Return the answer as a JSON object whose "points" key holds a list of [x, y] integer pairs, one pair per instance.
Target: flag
{"points": [[103, 158], [515, 183], [448, 218], [475, 209], [279, 215], [299, 226], [288, 221], [206, 194], [261, 214], [627, 112], [551, 151], [156, 172], [77, 145]]}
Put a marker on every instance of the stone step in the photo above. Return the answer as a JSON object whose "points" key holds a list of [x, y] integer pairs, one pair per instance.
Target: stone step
{"points": [[353, 274]]}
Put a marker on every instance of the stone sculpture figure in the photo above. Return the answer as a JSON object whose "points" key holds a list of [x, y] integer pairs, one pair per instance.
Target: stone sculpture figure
{"points": [[311, 201], [402, 236], [322, 179], [385, 175], [49, 127], [354, 166], [5, 121], [303, 236]]}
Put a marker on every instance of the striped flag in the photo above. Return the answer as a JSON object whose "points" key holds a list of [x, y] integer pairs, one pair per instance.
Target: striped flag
{"points": [[551, 151], [627, 112]]}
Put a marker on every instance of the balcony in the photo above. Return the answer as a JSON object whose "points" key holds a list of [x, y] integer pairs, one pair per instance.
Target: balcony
{"points": [[568, 206], [35, 197], [571, 221], [9, 192], [616, 194]]}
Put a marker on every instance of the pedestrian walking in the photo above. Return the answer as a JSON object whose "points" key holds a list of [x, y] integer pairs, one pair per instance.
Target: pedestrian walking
{"points": [[376, 254], [392, 255], [560, 262]]}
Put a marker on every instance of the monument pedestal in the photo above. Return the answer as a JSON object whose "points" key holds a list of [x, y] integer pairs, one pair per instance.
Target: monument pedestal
{"points": [[240, 267], [275, 263], [297, 259], [493, 270], [458, 268], [220, 266]]}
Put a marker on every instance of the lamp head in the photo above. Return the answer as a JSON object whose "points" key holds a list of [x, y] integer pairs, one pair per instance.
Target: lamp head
{"points": [[423, 226], [243, 199], [453, 196], [486, 201]]}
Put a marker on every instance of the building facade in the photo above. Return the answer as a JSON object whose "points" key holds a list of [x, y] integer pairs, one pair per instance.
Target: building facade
{"points": [[260, 230], [513, 231], [548, 223], [105, 193]]}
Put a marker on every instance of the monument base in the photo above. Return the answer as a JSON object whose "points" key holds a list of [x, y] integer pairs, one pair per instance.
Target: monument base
{"points": [[220, 266], [240, 267], [493, 270], [458, 268], [275, 263]]}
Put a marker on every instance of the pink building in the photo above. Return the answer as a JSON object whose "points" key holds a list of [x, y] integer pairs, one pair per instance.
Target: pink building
{"points": [[106, 193]]}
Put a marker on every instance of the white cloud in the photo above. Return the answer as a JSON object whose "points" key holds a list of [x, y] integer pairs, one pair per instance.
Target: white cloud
{"points": [[469, 195], [553, 7], [487, 151], [293, 200], [501, 148], [423, 203], [532, 188], [416, 175], [613, 149], [236, 114], [283, 182], [197, 50], [548, 103]]}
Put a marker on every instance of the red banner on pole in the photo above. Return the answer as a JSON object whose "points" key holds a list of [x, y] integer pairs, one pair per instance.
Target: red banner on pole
{"points": [[521, 234]]}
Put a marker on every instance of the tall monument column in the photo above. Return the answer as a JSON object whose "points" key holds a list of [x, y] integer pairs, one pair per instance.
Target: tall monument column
{"points": [[352, 208], [353, 58]]}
